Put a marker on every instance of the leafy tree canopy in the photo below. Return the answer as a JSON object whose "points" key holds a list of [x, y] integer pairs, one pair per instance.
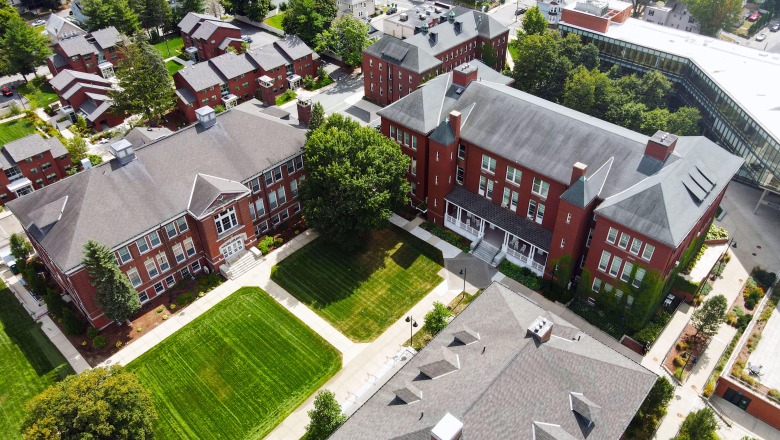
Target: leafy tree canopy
{"points": [[24, 48], [317, 118], [77, 149], [21, 249], [97, 404], [708, 318], [325, 418], [699, 425], [436, 319], [253, 9], [104, 13], [114, 293], [714, 15], [307, 18], [347, 37], [534, 22], [355, 178]]}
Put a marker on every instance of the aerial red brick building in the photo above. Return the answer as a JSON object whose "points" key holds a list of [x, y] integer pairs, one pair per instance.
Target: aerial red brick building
{"points": [[532, 181], [206, 36], [393, 68], [97, 52], [31, 163], [265, 73], [87, 94], [195, 201]]}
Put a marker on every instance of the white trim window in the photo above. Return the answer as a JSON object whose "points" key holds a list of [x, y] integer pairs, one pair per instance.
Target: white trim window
{"points": [[252, 214], [170, 281], [461, 151], [489, 192], [590, 238], [640, 275], [413, 166], [612, 235], [226, 220], [195, 266], [596, 285], [154, 239], [626, 274], [540, 213], [488, 164], [568, 218], [414, 143], [531, 209], [540, 187], [151, 268], [142, 245], [482, 185], [170, 230], [293, 188], [624, 239], [647, 254], [513, 175], [254, 185], [260, 207], [124, 255], [392, 131], [189, 247], [604, 261], [134, 277], [615, 267], [513, 201], [178, 253], [162, 261], [272, 203], [505, 198], [636, 244], [159, 288], [459, 175], [181, 224], [282, 196]]}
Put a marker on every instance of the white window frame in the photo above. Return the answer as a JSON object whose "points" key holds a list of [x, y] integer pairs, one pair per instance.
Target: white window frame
{"points": [[162, 261], [612, 235], [624, 240], [626, 274], [143, 243], [272, 202], [647, 256], [152, 271], [540, 188], [170, 230], [229, 215], [122, 258], [181, 225], [540, 213], [282, 195], [513, 175], [614, 268], [152, 239], [596, 287], [133, 273], [189, 247], [531, 213], [260, 207], [604, 261], [640, 275], [488, 164], [636, 245], [178, 253]]}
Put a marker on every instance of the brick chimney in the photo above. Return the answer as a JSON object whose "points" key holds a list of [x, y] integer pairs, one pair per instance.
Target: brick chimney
{"points": [[304, 111], [455, 121], [464, 74], [578, 170], [661, 145]]}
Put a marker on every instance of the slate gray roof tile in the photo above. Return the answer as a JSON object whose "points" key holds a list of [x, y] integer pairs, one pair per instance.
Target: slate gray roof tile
{"points": [[108, 37], [208, 27], [192, 19], [293, 47]]}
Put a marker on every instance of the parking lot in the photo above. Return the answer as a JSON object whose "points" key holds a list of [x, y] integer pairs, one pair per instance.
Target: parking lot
{"points": [[770, 44], [259, 37]]}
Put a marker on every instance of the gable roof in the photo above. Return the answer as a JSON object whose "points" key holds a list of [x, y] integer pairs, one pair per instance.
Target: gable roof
{"points": [[108, 37], [192, 19], [208, 192], [403, 54], [67, 76], [202, 75], [293, 47], [508, 386], [139, 136], [267, 57], [58, 27], [208, 27], [33, 144], [231, 65], [77, 46], [104, 202]]}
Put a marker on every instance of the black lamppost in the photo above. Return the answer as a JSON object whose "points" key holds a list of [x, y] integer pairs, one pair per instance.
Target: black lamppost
{"points": [[412, 324], [463, 274]]}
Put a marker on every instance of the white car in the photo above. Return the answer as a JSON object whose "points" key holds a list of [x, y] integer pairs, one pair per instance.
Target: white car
{"points": [[761, 36], [38, 23]]}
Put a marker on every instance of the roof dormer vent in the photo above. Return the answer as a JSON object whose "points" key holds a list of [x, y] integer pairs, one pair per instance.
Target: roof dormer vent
{"points": [[123, 151]]}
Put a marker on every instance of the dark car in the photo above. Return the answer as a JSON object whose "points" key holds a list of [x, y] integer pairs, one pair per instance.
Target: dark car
{"points": [[775, 27], [6, 91], [520, 11]]}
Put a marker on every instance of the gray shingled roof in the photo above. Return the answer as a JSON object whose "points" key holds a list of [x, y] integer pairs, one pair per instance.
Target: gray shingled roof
{"points": [[401, 53], [77, 46], [192, 19], [207, 190], [202, 76], [64, 78], [79, 86], [58, 60], [231, 65], [33, 144], [58, 27], [267, 57], [502, 217], [293, 47], [549, 431], [587, 188], [186, 95], [139, 136], [506, 382], [208, 27], [95, 114], [108, 37], [112, 204]]}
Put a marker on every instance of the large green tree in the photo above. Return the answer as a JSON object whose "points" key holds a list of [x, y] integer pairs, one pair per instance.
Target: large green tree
{"points": [[21, 249], [541, 67], [183, 7], [347, 37], [253, 9], [534, 22], [114, 293], [708, 318], [699, 425], [104, 13], [316, 119], [307, 18], [355, 179], [714, 15], [155, 14], [145, 87], [643, 424], [103, 403], [325, 418], [24, 49], [436, 320]]}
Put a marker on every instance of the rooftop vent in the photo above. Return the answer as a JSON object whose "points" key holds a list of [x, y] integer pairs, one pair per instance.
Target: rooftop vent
{"points": [[466, 336], [403, 16], [448, 428], [584, 407], [409, 394], [550, 431], [433, 36], [457, 26], [593, 7], [206, 116], [86, 164], [541, 329], [123, 151], [441, 364]]}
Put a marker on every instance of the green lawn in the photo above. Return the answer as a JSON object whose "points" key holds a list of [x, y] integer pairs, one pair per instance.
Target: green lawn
{"points": [[16, 129], [172, 49], [173, 67], [275, 21], [28, 363], [39, 92], [236, 371], [363, 292]]}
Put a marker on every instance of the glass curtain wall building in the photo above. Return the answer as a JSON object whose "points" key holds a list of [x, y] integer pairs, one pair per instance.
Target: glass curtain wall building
{"points": [[742, 125]]}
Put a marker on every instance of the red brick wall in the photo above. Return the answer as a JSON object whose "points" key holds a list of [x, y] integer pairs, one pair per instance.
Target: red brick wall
{"points": [[209, 48], [758, 407], [586, 21], [57, 167], [420, 154], [385, 91], [573, 231], [442, 160]]}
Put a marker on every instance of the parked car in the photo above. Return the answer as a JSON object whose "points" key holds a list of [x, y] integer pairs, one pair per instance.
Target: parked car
{"points": [[775, 27], [247, 38], [6, 91], [38, 23], [761, 36], [754, 16], [521, 11]]}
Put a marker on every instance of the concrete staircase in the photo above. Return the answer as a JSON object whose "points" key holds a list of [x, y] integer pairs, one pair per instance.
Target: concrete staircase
{"points": [[485, 252], [241, 263]]}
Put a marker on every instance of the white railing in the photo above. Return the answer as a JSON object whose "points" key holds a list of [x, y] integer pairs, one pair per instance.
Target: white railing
{"points": [[517, 255], [537, 266], [452, 220]]}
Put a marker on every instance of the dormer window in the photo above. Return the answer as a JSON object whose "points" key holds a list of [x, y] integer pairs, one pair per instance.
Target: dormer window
{"points": [[226, 220]]}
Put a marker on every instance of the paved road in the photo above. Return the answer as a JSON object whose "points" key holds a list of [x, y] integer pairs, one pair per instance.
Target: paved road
{"points": [[346, 97], [771, 44]]}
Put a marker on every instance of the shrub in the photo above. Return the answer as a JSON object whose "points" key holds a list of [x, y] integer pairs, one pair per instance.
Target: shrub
{"points": [[684, 285], [160, 309], [164, 317], [716, 233], [99, 342], [49, 110], [770, 306], [118, 344], [763, 277], [184, 298], [283, 6], [709, 389], [679, 362], [278, 241], [682, 346], [773, 393], [308, 82], [92, 332], [14, 109], [72, 323], [446, 235], [753, 342], [219, 109], [678, 373], [522, 275], [285, 97], [265, 245], [95, 160], [436, 319]]}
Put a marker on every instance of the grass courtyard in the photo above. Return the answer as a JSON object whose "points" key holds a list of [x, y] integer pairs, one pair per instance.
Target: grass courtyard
{"points": [[28, 363], [38, 92], [173, 67], [236, 371], [16, 129], [361, 293], [172, 48], [275, 21]]}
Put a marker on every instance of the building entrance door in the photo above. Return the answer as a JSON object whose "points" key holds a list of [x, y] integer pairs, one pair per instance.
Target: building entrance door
{"points": [[232, 247]]}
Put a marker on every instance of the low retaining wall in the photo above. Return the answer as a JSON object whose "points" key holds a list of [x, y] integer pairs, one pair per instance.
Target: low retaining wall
{"points": [[759, 406]]}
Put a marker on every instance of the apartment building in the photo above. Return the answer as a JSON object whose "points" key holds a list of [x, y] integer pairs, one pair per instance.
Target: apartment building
{"points": [[194, 201], [264, 72], [394, 68], [31, 163], [361, 9], [97, 52], [406, 23], [532, 181], [673, 14], [206, 36], [87, 95]]}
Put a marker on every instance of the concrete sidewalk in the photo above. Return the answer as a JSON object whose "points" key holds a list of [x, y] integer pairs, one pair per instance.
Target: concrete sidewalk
{"points": [[63, 345]]}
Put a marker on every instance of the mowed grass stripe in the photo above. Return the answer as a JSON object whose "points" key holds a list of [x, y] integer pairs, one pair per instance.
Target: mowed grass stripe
{"points": [[29, 363], [237, 371], [361, 293]]}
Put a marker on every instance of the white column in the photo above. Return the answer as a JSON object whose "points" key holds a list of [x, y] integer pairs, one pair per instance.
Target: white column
{"points": [[481, 227], [506, 241], [760, 200]]}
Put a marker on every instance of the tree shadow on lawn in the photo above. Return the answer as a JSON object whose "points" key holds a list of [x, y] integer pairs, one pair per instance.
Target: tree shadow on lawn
{"points": [[28, 336]]}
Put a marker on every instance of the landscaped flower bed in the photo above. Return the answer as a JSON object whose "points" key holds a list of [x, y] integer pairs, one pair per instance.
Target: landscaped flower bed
{"points": [[448, 236]]}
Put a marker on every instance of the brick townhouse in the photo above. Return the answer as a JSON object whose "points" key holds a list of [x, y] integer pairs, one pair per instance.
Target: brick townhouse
{"points": [[97, 52], [265, 72], [532, 181], [31, 163], [191, 202], [206, 36], [394, 68], [87, 94]]}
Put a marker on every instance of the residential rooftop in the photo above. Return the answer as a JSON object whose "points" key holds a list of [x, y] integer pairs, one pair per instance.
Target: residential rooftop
{"points": [[28, 146], [521, 373]]}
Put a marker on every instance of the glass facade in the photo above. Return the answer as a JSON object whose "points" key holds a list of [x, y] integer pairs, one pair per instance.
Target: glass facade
{"points": [[726, 122]]}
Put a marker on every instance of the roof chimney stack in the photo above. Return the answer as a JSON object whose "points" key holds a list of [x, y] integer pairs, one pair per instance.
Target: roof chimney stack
{"points": [[578, 170], [123, 151], [661, 145], [455, 121], [86, 164], [304, 111], [540, 329], [448, 428], [206, 116], [464, 74]]}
